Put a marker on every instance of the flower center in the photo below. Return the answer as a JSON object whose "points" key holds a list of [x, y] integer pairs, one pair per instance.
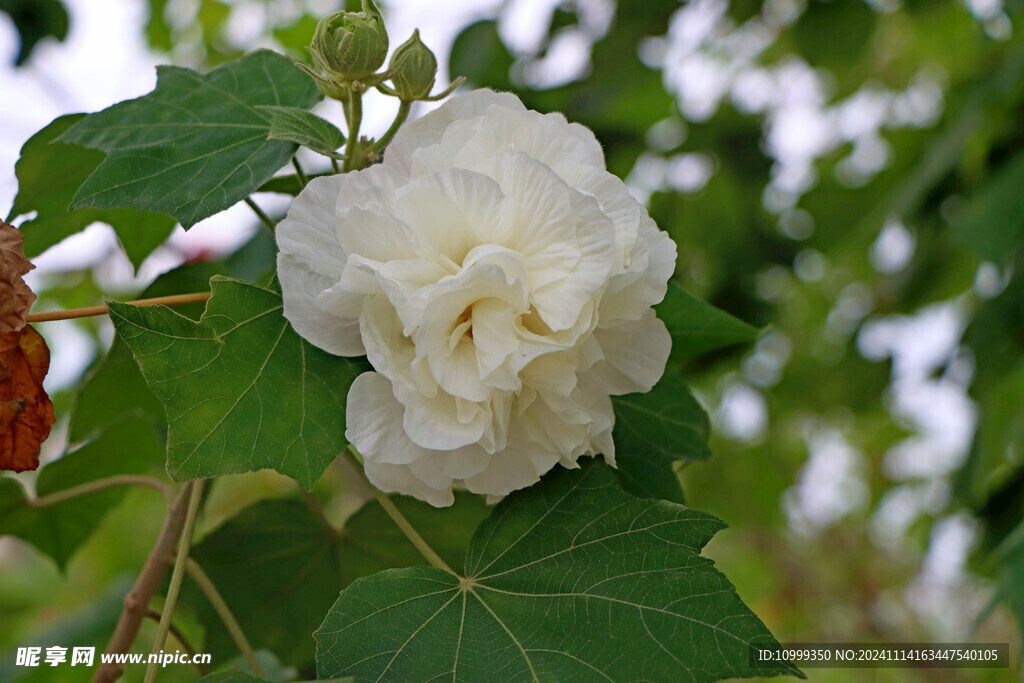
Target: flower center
{"points": [[463, 330]]}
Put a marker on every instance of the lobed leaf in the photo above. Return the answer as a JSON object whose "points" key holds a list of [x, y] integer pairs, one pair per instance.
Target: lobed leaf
{"points": [[697, 327], [241, 390], [654, 430], [276, 564], [50, 173], [197, 144], [572, 579]]}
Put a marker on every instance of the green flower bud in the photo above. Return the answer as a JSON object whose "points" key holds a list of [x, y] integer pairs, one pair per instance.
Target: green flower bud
{"points": [[350, 46], [412, 69]]}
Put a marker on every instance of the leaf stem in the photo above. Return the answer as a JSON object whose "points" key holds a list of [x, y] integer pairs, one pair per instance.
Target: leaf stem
{"points": [[299, 173], [196, 573], [318, 510], [174, 300], [177, 575], [187, 646], [137, 601], [100, 484], [261, 214], [334, 165], [403, 113], [428, 553], [354, 114]]}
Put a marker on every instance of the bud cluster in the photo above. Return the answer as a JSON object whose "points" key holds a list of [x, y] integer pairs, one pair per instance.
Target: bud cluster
{"points": [[348, 48]]}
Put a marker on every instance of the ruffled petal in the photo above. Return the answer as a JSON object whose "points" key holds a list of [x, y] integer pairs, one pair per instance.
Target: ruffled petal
{"points": [[311, 260]]}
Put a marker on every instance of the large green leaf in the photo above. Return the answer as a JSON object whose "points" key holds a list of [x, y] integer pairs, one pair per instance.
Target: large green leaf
{"points": [[241, 390], [131, 447], [277, 564], [242, 677], [572, 579], [198, 143], [115, 389], [654, 430], [698, 327], [49, 173]]}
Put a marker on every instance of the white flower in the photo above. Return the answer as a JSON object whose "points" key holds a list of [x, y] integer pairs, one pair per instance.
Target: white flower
{"points": [[499, 280]]}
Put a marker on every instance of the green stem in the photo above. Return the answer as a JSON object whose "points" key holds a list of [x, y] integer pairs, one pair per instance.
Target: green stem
{"points": [[185, 645], [400, 117], [260, 213], [177, 574], [196, 573], [354, 115], [334, 165], [318, 510], [99, 485], [428, 553], [303, 180]]}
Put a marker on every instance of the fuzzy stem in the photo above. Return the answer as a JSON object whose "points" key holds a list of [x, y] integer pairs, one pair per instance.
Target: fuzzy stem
{"points": [[261, 214], [99, 485], [137, 601], [196, 573], [185, 645], [428, 553], [177, 575], [173, 300], [400, 117], [299, 173], [355, 120]]}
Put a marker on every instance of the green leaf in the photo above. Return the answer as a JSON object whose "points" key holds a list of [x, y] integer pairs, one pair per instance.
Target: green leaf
{"points": [[572, 579], [304, 128], [115, 390], [241, 390], [49, 173], [242, 677], [697, 327], [131, 447], [35, 20], [654, 430], [993, 221], [287, 184], [277, 564], [197, 144]]}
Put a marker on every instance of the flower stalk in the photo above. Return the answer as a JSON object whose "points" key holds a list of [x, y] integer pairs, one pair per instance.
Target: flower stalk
{"points": [[177, 574]]}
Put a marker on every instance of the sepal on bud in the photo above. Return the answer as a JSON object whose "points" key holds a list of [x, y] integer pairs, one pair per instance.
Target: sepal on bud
{"points": [[351, 46], [413, 69]]}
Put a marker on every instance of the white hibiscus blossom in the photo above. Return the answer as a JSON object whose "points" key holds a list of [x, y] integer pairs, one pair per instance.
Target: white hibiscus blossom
{"points": [[499, 280]]}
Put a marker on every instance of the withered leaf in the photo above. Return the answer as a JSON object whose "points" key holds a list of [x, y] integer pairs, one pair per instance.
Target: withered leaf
{"points": [[26, 413], [15, 296]]}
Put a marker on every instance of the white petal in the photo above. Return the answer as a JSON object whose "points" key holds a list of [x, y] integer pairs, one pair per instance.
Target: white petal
{"points": [[445, 210], [510, 470], [635, 355], [429, 129], [311, 260], [401, 479], [374, 422]]}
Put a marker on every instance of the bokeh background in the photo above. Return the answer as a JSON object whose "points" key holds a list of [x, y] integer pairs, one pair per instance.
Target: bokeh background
{"points": [[846, 174]]}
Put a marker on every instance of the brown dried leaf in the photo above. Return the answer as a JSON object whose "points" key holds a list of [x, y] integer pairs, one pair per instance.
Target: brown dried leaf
{"points": [[26, 413], [15, 296]]}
